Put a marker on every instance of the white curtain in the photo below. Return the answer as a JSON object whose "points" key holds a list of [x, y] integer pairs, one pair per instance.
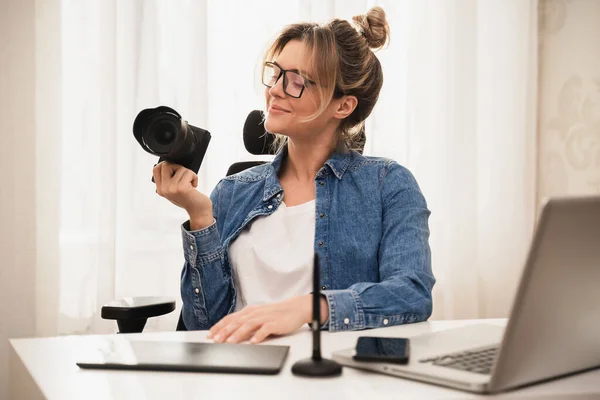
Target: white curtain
{"points": [[457, 108]]}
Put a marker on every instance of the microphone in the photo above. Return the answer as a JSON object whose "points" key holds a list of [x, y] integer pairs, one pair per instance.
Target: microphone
{"points": [[316, 366], [256, 138]]}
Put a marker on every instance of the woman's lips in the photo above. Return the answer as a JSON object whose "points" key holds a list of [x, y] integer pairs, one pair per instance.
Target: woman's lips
{"points": [[277, 110]]}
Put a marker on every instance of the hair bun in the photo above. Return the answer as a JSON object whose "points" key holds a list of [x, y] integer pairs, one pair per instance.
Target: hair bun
{"points": [[374, 27]]}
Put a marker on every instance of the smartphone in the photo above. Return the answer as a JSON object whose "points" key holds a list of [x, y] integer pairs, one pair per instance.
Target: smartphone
{"points": [[382, 349]]}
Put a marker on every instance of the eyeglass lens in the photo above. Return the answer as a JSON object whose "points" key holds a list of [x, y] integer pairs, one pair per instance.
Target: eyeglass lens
{"points": [[292, 82]]}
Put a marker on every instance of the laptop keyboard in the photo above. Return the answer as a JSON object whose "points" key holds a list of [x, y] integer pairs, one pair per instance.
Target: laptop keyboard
{"points": [[478, 361]]}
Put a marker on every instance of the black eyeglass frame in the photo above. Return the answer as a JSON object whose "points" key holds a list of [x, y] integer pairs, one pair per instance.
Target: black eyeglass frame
{"points": [[336, 93]]}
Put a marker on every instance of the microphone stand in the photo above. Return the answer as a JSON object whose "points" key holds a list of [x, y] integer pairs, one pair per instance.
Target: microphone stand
{"points": [[316, 365]]}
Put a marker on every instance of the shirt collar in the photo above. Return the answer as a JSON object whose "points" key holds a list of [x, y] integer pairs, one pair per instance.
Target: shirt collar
{"points": [[272, 185], [338, 164]]}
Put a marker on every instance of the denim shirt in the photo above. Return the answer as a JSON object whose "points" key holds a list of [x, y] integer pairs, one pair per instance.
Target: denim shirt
{"points": [[371, 236]]}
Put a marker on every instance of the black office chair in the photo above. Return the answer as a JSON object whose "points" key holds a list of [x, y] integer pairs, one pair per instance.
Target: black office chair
{"points": [[132, 313]]}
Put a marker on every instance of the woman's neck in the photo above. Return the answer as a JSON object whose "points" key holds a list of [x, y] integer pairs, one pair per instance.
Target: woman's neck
{"points": [[304, 160]]}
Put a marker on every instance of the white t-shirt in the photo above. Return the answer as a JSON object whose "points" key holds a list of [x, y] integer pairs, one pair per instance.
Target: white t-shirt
{"points": [[272, 258]]}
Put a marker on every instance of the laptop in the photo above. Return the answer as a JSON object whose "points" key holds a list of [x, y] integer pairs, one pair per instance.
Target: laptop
{"points": [[554, 325]]}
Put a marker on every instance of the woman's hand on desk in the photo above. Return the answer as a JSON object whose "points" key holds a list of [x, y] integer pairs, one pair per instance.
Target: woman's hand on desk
{"points": [[258, 322]]}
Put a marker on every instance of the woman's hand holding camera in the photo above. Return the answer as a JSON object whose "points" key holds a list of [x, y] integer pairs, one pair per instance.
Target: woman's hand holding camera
{"points": [[178, 185]]}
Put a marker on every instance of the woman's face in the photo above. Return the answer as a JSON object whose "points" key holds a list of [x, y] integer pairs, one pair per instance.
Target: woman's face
{"points": [[285, 113]]}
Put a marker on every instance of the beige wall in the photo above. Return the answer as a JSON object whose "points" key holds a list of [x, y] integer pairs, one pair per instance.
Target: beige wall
{"points": [[30, 91], [569, 97], [17, 170]]}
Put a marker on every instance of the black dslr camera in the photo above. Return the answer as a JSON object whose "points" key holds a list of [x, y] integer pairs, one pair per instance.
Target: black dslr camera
{"points": [[161, 132]]}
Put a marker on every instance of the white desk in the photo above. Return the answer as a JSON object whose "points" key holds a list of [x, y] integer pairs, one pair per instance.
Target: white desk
{"points": [[45, 368]]}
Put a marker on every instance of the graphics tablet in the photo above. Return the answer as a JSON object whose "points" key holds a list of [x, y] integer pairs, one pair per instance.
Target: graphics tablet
{"points": [[126, 354]]}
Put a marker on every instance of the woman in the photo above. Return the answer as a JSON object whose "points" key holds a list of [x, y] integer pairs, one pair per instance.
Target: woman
{"points": [[249, 247]]}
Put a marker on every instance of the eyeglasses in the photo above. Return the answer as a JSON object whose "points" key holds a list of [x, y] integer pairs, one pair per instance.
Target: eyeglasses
{"points": [[293, 82]]}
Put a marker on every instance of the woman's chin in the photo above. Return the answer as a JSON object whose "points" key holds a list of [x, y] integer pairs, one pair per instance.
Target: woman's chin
{"points": [[274, 126]]}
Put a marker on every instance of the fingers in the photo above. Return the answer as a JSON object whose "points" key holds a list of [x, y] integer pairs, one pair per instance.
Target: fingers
{"points": [[226, 326], [223, 334], [244, 331], [177, 178], [212, 333], [264, 332], [156, 174], [224, 322], [162, 173], [218, 330], [170, 177], [167, 170], [188, 176]]}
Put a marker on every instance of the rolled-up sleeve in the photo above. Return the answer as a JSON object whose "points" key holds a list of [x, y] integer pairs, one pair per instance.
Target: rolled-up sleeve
{"points": [[200, 246], [403, 294], [204, 275]]}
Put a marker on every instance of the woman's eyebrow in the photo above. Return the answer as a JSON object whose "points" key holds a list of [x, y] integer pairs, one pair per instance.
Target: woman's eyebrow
{"points": [[293, 70]]}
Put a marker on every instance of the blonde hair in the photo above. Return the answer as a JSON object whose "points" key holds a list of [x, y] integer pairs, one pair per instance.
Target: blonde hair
{"points": [[343, 62]]}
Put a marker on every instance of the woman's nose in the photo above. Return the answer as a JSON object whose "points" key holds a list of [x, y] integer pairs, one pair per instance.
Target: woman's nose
{"points": [[277, 88]]}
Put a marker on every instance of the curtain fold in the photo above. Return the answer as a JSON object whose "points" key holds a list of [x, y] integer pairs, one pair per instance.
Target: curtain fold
{"points": [[457, 108]]}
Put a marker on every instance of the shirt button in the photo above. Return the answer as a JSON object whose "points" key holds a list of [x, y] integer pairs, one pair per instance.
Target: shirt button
{"points": [[322, 215], [386, 321], [321, 244], [321, 183], [191, 247], [323, 287], [196, 290], [346, 321], [270, 206]]}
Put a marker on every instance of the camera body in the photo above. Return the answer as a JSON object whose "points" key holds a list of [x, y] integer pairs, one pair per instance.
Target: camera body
{"points": [[162, 132]]}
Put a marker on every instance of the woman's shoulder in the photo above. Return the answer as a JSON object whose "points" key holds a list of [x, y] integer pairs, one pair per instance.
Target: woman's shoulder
{"points": [[244, 189], [379, 165], [386, 176], [255, 173]]}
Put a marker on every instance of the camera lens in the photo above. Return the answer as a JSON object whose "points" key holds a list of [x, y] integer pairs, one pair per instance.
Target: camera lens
{"points": [[160, 131], [164, 134]]}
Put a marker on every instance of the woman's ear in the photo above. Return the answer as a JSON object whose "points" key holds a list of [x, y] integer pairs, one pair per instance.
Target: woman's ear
{"points": [[346, 105]]}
